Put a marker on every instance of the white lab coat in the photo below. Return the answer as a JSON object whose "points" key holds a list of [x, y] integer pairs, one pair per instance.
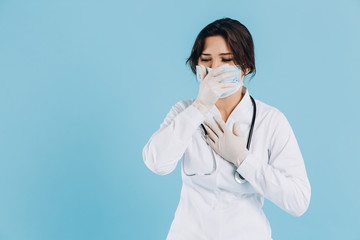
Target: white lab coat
{"points": [[215, 206]]}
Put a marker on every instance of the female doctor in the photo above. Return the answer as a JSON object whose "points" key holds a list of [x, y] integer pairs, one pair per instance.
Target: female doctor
{"points": [[235, 150]]}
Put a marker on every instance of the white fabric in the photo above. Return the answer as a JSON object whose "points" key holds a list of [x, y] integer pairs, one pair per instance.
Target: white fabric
{"points": [[217, 207]]}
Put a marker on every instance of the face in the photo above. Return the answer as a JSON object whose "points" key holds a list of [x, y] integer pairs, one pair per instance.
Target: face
{"points": [[216, 53]]}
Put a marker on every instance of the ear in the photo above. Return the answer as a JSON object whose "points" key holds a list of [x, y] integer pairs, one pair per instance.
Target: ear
{"points": [[243, 74]]}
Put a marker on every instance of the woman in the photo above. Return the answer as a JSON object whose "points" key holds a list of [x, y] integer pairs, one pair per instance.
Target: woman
{"points": [[225, 178]]}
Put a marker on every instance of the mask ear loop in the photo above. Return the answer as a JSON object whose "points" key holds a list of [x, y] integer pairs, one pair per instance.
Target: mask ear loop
{"points": [[237, 176]]}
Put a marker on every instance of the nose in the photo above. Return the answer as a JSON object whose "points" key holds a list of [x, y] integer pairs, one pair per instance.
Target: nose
{"points": [[216, 63]]}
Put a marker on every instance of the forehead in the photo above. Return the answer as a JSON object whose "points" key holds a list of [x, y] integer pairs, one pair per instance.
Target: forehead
{"points": [[215, 45]]}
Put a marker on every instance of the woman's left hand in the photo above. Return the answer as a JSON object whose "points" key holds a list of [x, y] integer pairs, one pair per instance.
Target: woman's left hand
{"points": [[228, 144]]}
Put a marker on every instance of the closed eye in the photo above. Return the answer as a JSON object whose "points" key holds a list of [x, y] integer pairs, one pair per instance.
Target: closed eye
{"points": [[224, 60]]}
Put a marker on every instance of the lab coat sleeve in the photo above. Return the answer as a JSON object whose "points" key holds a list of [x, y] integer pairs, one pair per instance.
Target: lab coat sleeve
{"points": [[168, 144], [283, 179]]}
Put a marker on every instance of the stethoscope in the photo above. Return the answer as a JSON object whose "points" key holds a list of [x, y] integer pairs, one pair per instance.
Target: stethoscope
{"points": [[237, 176]]}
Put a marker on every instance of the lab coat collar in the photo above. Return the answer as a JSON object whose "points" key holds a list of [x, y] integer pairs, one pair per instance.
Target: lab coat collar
{"points": [[242, 107]]}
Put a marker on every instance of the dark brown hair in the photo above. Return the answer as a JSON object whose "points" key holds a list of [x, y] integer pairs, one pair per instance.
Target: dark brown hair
{"points": [[238, 38]]}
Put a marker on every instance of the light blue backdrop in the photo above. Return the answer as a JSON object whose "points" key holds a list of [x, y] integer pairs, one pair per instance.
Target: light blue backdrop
{"points": [[84, 84]]}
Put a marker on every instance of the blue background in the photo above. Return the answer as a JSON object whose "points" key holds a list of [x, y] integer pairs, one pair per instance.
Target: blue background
{"points": [[84, 84]]}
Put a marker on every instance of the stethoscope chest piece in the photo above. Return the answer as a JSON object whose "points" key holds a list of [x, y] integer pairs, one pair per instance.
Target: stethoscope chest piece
{"points": [[238, 179]]}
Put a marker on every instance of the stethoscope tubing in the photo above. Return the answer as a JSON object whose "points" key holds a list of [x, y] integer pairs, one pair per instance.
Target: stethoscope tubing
{"points": [[249, 138]]}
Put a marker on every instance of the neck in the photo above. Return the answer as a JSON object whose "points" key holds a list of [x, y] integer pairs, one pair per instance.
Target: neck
{"points": [[226, 105]]}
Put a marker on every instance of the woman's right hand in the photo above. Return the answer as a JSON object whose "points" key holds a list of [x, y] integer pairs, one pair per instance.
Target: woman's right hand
{"points": [[211, 87]]}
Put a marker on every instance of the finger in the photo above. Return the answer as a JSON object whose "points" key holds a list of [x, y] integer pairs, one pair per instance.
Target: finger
{"points": [[221, 123], [211, 134], [221, 88], [212, 145], [224, 76], [221, 85], [225, 89], [210, 142], [217, 70], [214, 127], [228, 84], [232, 71], [237, 129]]}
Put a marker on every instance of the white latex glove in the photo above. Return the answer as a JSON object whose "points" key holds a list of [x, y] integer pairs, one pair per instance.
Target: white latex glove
{"points": [[211, 88], [230, 145]]}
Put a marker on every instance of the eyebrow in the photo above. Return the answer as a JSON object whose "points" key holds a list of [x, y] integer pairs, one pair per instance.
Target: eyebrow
{"points": [[207, 54]]}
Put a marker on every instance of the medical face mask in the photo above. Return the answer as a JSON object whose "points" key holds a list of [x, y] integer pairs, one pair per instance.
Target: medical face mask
{"points": [[236, 78]]}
